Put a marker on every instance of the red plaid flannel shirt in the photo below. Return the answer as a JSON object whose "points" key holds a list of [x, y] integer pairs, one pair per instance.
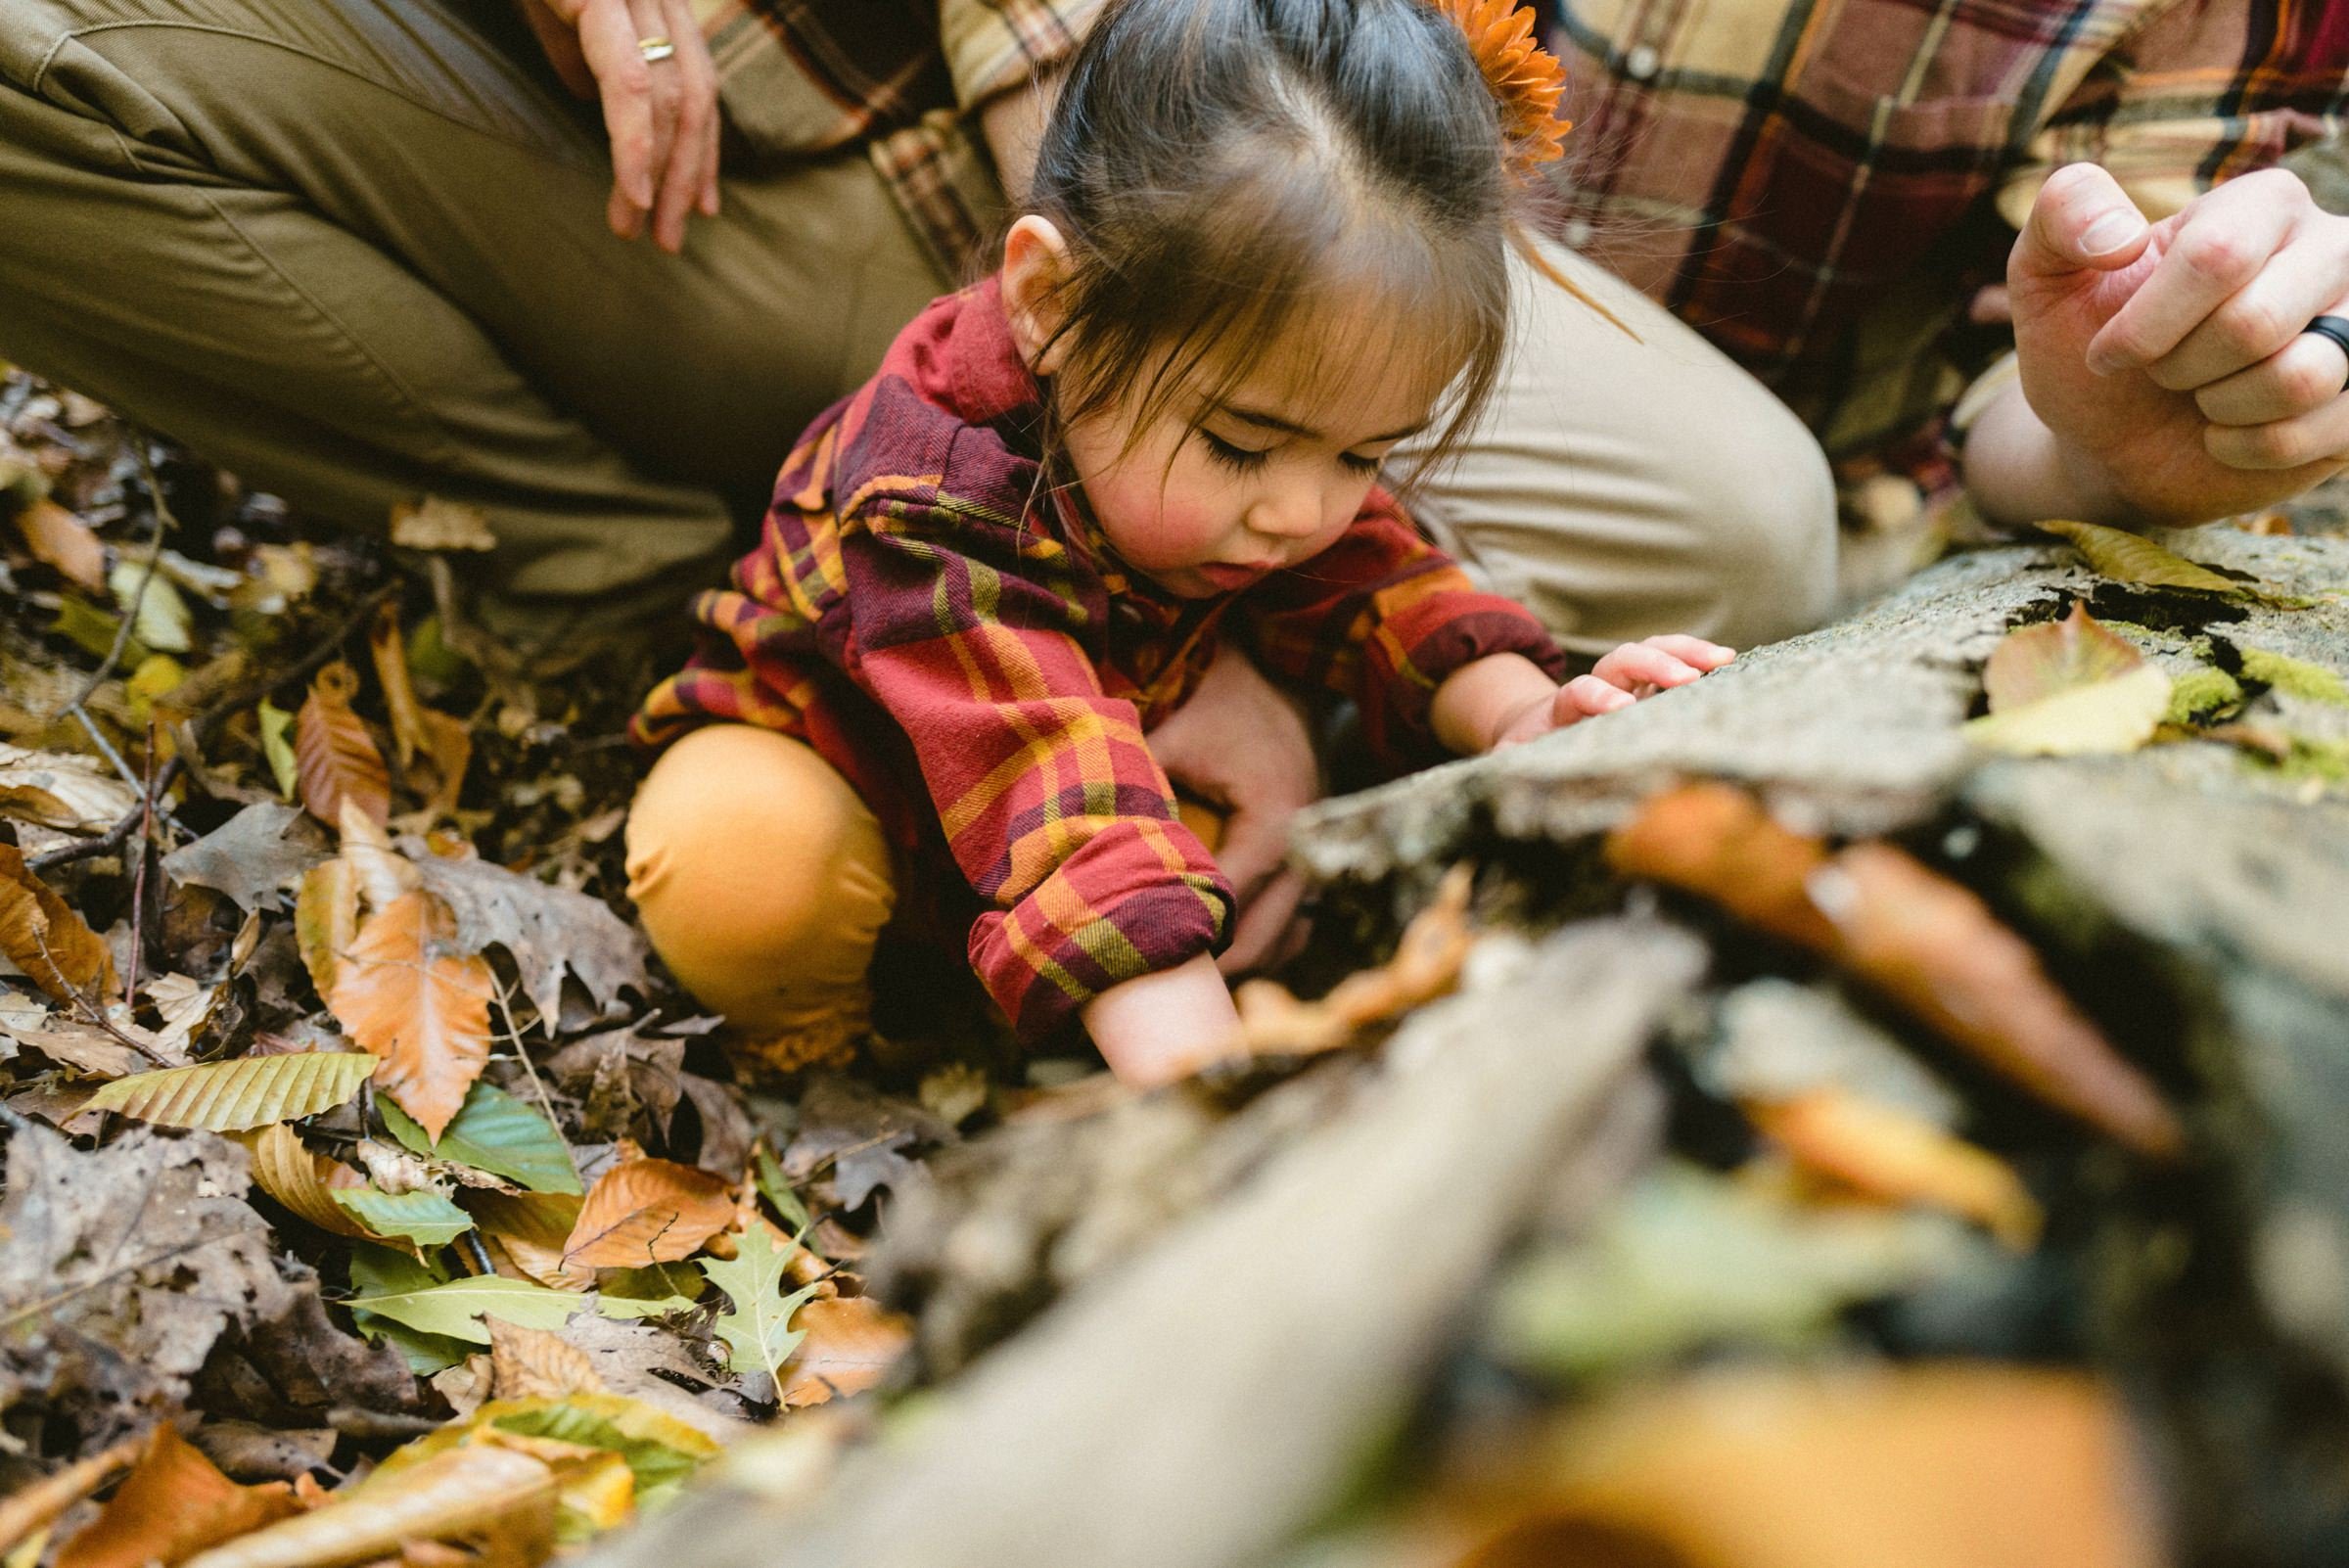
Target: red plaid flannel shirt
{"points": [[959, 639], [1818, 186]]}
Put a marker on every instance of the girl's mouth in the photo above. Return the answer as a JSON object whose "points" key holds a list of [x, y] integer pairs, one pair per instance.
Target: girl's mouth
{"points": [[1229, 578]]}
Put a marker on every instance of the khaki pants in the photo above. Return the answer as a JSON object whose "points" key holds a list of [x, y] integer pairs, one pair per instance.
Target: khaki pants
{"points": [[355, 249]]}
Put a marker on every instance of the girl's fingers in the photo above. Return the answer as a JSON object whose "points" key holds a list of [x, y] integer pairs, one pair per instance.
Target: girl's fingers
{"points": [[1636, 663], [1705, 656], [1588, 697]]}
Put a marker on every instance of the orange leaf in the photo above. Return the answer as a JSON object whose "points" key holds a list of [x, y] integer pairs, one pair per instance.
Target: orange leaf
{"points": [[334, 756], [1426, 965], [173, 1503], [1895, 1157], [43, 937], [644, 1211], [529, 1230], [2033, 663], [64, 541], [1918, 936], [850, 1342], [530, 1363], [326, 917], [405, 995]]}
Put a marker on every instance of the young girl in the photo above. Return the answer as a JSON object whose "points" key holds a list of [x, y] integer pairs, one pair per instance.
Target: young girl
{"points": [[1266, 242]]}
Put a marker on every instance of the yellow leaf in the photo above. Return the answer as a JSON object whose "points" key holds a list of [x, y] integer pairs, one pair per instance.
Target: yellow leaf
{"points": [[448, 1496], [276, 726], [326, 919], [43, 937], [334, 754], [2127, 557], [2113, 716], [232, 1096], [173, 1503], [405, 995], [646, 1211], [1896, 1157], [2037, 661], [161, 617], [286, 1169]]}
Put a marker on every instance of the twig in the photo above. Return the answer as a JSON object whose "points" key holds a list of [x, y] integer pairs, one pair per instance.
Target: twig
{"points": [[138, 879], [547, 1102], [95, 1015]]}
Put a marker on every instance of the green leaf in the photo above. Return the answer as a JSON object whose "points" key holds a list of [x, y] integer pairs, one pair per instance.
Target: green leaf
{"points": [[758, 1333], [379, 1270], [777, 1188], [2112, 715], [232, 1096], [426, 1217], [625, 1307], [494, 1132], [162, 619], [277, 745], [2127, 557], [659, 1467], [92, 630], [454, 1310]]}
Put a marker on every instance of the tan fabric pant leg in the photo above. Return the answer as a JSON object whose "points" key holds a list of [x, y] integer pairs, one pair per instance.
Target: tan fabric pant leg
{"points": [[763, 883], [1621, 488], [355, 249]]}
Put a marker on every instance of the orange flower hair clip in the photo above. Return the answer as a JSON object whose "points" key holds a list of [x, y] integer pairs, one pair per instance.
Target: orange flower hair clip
{"points": [[1524, 77]]}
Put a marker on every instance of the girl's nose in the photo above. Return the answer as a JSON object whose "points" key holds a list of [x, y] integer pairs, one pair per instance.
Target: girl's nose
{"points": [[1290, 512]]}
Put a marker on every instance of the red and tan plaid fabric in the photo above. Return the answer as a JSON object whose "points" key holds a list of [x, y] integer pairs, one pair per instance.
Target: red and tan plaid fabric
{"points": [[1818, 186], [803, 76], [956, 637]]}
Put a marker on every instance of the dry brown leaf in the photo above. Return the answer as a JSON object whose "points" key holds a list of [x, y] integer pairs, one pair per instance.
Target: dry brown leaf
{"points": [[34, 1507], [1897, 1156], [333, 755], [404, 994], [43, 937], [1923, 940], [173, 1503], [849, 1343], [2037, 661], [301, 1182], [528, 1362], [447, 1497], [643, 1211], [436, 523], [326, 919], [1427, 964], [64, 541], [416, 729], [529, 1231]]}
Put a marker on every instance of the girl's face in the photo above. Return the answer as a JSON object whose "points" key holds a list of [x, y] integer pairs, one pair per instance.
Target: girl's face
{"points": [[1212, 494]]}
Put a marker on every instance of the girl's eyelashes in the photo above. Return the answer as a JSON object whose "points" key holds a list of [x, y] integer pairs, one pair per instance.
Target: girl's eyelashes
{"points": [[1367, 466], [1239, 459]]}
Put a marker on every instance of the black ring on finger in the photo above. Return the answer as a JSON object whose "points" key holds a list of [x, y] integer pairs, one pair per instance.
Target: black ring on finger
{"points": [[2338, 329]]}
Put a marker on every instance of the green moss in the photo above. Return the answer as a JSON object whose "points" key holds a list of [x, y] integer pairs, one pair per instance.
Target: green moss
{"points": [[2296, 677], [2196, 697]]}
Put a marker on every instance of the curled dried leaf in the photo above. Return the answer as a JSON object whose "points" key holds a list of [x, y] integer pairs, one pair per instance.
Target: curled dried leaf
{"points": [[44, 937], [1897, 1156], [334, 756], [301, 1182], [1427, 964], [173, 1503], [440, 1498]]}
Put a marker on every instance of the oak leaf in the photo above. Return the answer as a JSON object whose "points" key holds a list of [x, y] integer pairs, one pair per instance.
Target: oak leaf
{"points": [[43, 937], [333, 755], [647, 1211], [173, 1503], [405, 993]]}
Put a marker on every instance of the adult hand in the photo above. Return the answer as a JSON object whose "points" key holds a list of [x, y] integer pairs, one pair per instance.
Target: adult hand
{"points": [[1240, 744], [661, 114], [2170, 360]]}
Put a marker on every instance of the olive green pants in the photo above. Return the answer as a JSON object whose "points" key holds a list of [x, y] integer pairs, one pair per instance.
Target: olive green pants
{"points": [[354, 251]]}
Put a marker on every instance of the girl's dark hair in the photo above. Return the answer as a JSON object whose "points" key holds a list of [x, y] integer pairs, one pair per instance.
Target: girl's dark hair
{"points": [[1216, 165]]}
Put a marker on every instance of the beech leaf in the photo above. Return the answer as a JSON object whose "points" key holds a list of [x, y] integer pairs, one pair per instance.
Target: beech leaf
{"points": [[333, 755], [757, 1334], [454, 1494], [2127, 557], [455, 1309], [404, 994], [646, 1211], [530, 1228], [43, 937], [326, 920], [2035, 661], [60, 538], [2111, 716], [277, 746], [427, 1217], [173, 1503], [232, 1096], [290, 1171], [846, 1343], [494, 1132]]}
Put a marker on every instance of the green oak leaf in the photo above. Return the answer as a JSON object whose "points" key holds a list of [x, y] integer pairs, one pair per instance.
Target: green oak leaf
{"points": [[758, 1333]]}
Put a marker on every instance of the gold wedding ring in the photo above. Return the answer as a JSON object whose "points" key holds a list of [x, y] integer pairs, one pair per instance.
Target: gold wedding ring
{"points": [[657, 47]]}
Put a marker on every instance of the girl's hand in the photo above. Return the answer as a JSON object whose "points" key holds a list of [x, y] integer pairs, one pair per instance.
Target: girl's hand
{"points": [[662, 114], [1621, 678]]}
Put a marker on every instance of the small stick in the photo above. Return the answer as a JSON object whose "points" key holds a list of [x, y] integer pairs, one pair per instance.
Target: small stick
{"points": [[547, 1102], [138, 879]]}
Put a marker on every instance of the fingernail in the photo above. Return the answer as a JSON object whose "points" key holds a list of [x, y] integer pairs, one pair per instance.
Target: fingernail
{"points": [[2109, 232]]}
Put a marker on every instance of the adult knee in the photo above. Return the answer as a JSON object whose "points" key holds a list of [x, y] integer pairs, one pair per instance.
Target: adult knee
{"points": [[1762, 531]]}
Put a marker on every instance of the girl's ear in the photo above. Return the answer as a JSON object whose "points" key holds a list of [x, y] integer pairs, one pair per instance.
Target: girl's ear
{"points": [[1035, 262]]}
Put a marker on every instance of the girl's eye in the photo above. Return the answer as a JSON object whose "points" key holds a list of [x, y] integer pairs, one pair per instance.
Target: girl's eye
{"points": [[1239, 459], [1365, 466]]}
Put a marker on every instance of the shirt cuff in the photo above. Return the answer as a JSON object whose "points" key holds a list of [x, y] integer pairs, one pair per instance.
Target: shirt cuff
{"points": [[1062, 945], [992, 46]]}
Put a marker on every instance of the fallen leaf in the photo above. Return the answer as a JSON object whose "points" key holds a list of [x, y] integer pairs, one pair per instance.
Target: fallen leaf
{"points": [[447, 1495], [159, 616], [1895, 1157], [93, 630], [1920, 939], [383, 874], [254, 856], [530, 1230], [406, 992], [2127, 557], [416, 729], [2113, 717], [757, 1334], [427, 1219], [546, 930], [1427, 964], [454, 1309], [648, 1211], [290, 1171], [173, 1503], [43, 937], [847, 1344], [34, 1506], [59, 538], [2037, 661], [335, 756], [620, 1079], [865, 1137], [436, 523], [277, 747], [59, 790], [533, 1363], [326, 920], [234, 1095], [494, 1132]]}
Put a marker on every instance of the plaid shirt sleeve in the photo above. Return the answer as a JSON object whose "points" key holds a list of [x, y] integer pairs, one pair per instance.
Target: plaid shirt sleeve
{"points": [[992, 46], [1382, 617], [1049, 800]]}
